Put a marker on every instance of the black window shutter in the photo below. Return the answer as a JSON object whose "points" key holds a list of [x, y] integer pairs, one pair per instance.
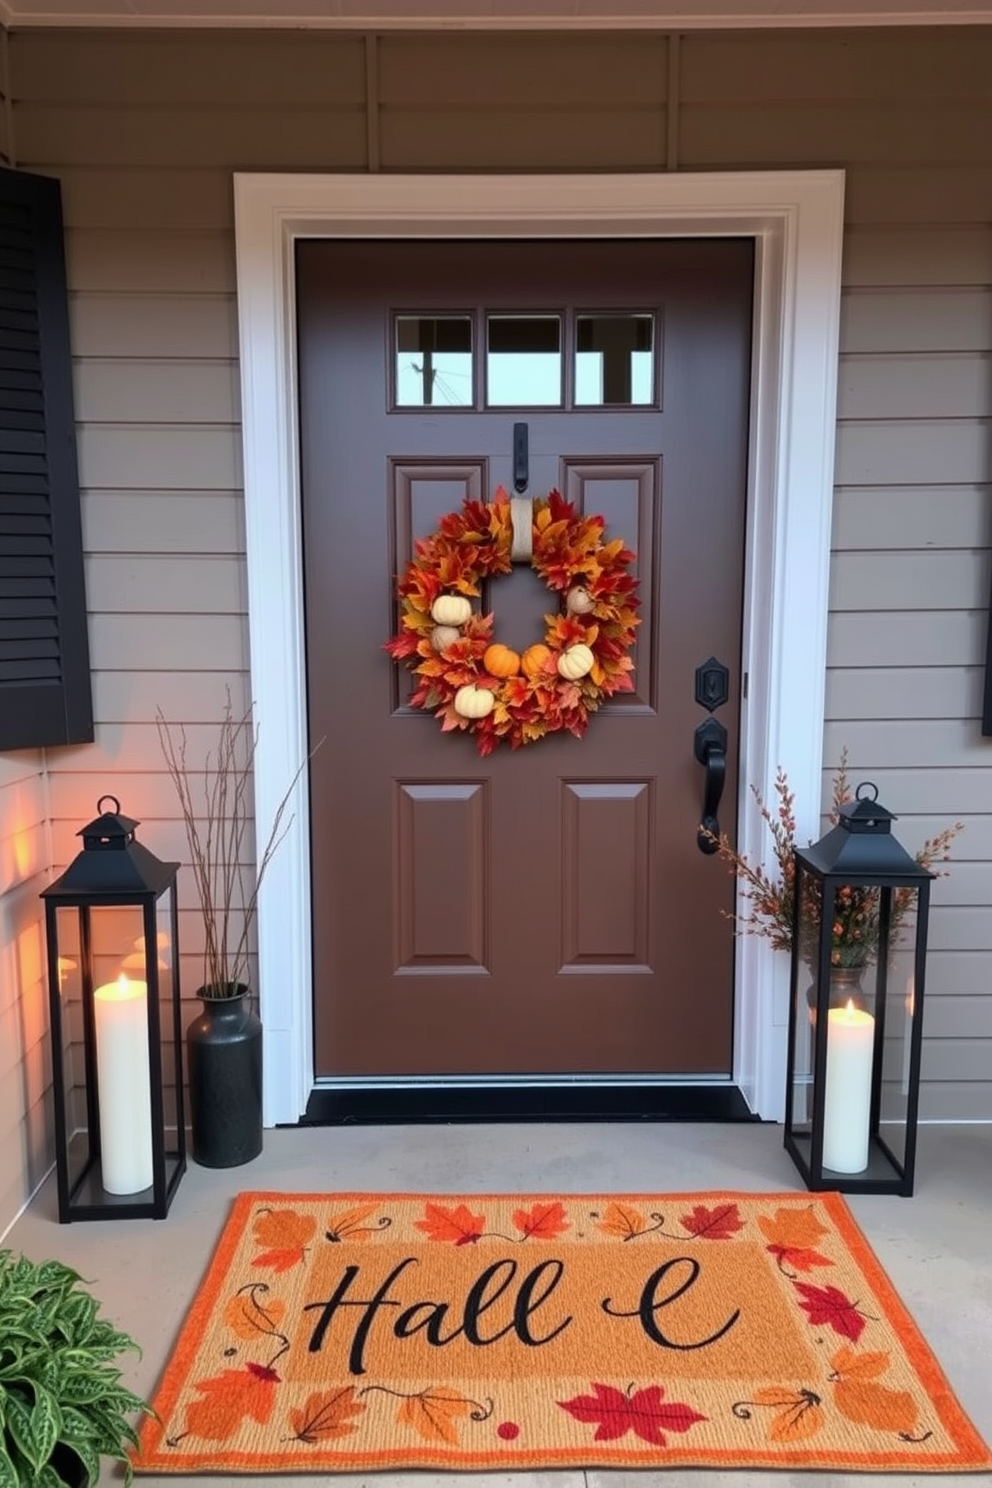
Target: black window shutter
{"points": [[45, 695]]}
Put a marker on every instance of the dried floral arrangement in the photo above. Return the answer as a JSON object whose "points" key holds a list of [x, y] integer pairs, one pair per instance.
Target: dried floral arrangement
{"points": [[769, 897]]}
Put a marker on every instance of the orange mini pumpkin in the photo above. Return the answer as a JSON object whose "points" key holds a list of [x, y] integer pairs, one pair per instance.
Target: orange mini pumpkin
{"points": [[535, 660], [501, 661]]}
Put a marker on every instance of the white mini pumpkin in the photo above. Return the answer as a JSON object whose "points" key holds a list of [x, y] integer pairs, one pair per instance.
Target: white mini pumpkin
{"points": [[451, 609], [575, 662], [579, 601], [444, 635], [474, 702]]}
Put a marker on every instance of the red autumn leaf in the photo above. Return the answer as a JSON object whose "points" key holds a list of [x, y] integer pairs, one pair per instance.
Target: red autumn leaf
{"points": [[829, 1305], [459, 1226], [643, 1412], [719, 1223], [541, 1221], [226, 1398]]}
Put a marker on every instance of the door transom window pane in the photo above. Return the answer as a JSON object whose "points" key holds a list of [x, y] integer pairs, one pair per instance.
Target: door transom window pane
{"points": [[614, 360], [434, 361], [523, 361]]}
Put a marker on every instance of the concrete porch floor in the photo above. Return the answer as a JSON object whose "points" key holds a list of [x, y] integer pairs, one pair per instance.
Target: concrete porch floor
{"points": [[936, 1247]]}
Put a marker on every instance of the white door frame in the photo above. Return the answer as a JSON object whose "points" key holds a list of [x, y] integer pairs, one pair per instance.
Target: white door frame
{"points": [[796, 219]]}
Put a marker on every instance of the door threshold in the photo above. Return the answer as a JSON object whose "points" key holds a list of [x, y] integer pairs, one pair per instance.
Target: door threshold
{"points": [[372, 1105]]}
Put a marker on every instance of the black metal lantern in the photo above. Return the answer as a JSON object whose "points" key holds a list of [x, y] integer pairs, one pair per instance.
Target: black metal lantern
{"points": [[112, 930], [856, 1004]]}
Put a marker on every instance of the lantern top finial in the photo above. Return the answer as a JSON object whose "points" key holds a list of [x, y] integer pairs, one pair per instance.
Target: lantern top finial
{"points": [[109, 831], [865, 813]]}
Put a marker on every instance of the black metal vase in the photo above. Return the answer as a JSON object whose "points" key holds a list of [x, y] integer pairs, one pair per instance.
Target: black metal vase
{"points": [[224, 1054]]}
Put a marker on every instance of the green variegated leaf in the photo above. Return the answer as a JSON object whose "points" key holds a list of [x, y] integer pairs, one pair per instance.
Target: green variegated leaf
{"points": [[48, 1478], [87, 1456], [77, 1425], [46, 1422], [83, 1389], [8, 1472], [18, 1430]]}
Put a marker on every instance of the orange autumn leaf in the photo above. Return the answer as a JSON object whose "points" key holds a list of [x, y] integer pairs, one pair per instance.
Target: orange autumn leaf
{"points": [[793, 1235], [869, 1404], [283, 1236], [459, 1226], [792, 1229], [326, 1415], [350, 1224], [432, 1414], [227, 1398], [800, 1414], [622, 1221], [251, 1311], [541, 1221], [858, 1397], [847, 1363]]}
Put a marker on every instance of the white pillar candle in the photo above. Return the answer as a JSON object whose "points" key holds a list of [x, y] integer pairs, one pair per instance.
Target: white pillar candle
{"points": [[847, 1101], [121, 1015]]}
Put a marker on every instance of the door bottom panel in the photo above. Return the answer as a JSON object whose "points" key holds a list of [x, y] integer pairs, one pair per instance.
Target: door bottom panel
{"points": [[414, 1105]]}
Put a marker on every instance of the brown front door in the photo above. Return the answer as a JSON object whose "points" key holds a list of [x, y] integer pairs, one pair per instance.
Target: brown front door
{"points": [[545, 911]]}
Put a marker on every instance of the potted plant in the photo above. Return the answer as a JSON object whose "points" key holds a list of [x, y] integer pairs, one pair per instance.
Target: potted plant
{"points": [[224, 1044], [62, 1405], [769, 896]]}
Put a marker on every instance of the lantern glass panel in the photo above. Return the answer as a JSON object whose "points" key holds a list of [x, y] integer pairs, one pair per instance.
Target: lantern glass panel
{"points": [[72, 1053], [167, 972], [803, 1070], [900, 1016]]}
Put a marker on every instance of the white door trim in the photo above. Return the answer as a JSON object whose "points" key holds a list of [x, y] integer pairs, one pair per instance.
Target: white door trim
{"points": [[796, 218]]}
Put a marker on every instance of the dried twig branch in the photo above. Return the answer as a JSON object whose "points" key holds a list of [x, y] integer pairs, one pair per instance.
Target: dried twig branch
{"points": [[216, 834]]}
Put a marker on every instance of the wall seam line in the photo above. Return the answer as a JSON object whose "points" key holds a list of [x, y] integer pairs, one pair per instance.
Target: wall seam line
{"points": [[674, 100], [372, 101]]}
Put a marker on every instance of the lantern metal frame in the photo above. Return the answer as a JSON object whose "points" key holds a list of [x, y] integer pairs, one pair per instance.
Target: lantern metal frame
{"points": [[859, 852], [115, 871]]}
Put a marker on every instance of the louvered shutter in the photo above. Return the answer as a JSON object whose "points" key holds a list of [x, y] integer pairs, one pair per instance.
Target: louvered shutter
{"points": [[45, 695]]}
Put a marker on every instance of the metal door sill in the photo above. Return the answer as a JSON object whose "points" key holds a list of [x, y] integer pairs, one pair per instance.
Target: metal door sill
{"points": [[485, 1099]]}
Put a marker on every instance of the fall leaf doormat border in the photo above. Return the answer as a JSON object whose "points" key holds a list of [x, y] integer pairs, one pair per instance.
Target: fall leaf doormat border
{"points": [[359, 1332]]}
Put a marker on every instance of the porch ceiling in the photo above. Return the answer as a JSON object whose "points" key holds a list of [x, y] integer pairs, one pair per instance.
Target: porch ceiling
{"points": [[679, 15]]}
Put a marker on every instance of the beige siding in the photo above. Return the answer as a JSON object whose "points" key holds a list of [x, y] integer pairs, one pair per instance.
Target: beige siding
{"points": [[144, 130], [26, 1145]]}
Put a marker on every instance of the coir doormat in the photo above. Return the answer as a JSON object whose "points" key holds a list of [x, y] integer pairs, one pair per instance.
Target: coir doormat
{"points": [[354, 1332]]}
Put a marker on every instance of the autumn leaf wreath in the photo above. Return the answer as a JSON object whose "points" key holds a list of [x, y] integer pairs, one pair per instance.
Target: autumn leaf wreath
{"points": [[474, 683]]}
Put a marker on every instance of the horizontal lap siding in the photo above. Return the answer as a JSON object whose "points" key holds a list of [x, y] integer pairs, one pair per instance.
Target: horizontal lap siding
{"points": [[909, 117], [144, 131], [26, 1145]]}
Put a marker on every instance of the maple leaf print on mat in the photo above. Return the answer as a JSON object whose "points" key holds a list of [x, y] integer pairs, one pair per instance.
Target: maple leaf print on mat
{"points": [[720, 1223], [225, 1399], [792, 1236], [644, 1412], [829, 1305], [459, 1226], [624, 1222], [541, 1221], [284, 1235]]}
